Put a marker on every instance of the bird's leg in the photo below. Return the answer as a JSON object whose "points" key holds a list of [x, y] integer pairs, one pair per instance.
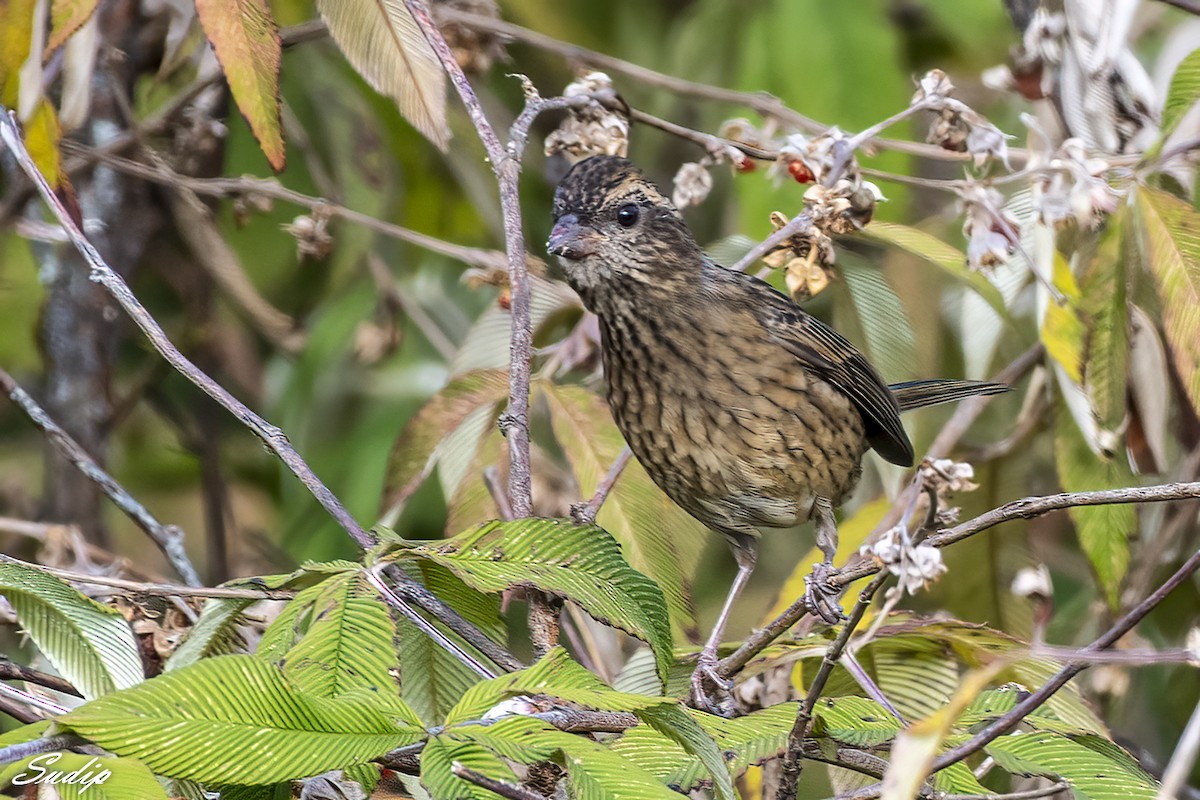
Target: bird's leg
{"points": [[819, 596], [745, 550]]}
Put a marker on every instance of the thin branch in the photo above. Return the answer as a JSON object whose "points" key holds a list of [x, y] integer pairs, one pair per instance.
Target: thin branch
{"points": [[168, 538], [506, 165], [792, 756], [31, 700], [50, 744], [426, 627], [796, 226], [1190, 6], [11, 671], [1180, 766], [1033, 701], [1028, 794], [158, 589], [270, 188], [512, 791], [585, 514]]}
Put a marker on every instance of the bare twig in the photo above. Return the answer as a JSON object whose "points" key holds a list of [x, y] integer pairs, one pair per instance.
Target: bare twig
{"points": [[586, 513], [33, 701], [797, 226], [50, 744], [11, 671], [1028, 794], [792, 763], [1190, 6], [425, 626], [1180, 766], [512, 791], [491, 479], [168, 538]]}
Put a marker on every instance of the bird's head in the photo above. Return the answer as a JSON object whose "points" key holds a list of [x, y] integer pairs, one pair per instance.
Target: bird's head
{"points": [[611, 222]]}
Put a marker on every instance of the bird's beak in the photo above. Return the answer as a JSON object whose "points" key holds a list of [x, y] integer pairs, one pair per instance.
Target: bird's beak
{"points": [[572, 239]]}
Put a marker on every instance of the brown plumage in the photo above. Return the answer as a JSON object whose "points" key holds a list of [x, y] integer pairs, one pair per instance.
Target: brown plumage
{"points": [[747, 411]]}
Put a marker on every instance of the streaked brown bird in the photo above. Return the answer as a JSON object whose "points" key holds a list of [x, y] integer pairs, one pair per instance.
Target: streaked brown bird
{"points": [[748, 412]]}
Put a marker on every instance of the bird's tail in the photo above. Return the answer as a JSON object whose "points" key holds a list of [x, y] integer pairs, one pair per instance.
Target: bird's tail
{"points": [[918, 394]]}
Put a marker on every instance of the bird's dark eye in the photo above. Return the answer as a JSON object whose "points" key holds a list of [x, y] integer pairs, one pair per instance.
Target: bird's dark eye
{"points": [[627, 216]]}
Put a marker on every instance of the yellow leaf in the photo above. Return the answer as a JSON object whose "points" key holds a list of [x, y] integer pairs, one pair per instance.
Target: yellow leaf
{"points": [[1063, 332], [1170, 231], [384, 44], [42, 135], [246, 40], [66, 17], [16, 34]]}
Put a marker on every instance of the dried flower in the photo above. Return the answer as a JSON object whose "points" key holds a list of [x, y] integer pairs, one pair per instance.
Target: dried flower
{"points": [[957, 126], [992, 234], [1073, 186], [945, 475], [312, 235], [934, 87], [593, 129], [1033, 582], [692, 184], [915, 565]]}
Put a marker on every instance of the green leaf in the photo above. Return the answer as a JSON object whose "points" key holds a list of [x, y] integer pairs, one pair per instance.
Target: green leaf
{"points": [[1183, 92], [91, 645], [1104, 531], [1170, 239], [215, 632], [660, 538], [66, 17], [440, 755], [855, 721], [348, 644], [595, 772], [933, 250], [236, 719], [431, 679], [1092, 774], [246, 41], [582, 563], [86, 777]]}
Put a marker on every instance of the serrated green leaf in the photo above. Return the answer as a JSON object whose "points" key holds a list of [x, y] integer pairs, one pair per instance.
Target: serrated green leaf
{"points": [[91, 645], [1170, 239], [676, 723], [431, 679], [856, 721], [214, 633], [958, 779], [440, 755], [933, 250], [94, 778], [289, 625], [1183, 92], [582, 563], [1104, 531], [660, 538], [1092, 774], [236, 719], [348, 645], [595, 772]]}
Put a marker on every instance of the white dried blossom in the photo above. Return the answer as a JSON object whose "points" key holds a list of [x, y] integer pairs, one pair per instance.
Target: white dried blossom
{"points": [[1073, 186], [1033, 582], [992, 233], [933, 88], [806, 159], [313, 239], [985, 141], [915, 565], [947, 475], [692, 184], [594, 129], [1192, 645]]}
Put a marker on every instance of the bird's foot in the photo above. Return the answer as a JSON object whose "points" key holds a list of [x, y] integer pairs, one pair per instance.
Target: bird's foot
{"points": [[820, 596], [706, 677]]}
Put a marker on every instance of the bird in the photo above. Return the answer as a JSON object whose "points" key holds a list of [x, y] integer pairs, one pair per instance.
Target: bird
{"points": [[746, 411]]}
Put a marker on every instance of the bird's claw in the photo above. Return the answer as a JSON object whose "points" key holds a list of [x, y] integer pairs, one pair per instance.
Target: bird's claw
{"points": [[820, 597], [706, 675]]}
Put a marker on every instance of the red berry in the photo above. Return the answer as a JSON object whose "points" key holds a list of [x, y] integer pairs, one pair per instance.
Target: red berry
{"points": [[799, 172]]}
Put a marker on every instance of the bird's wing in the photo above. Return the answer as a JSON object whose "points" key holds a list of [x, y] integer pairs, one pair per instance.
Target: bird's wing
{"points": [[828, 354]]}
